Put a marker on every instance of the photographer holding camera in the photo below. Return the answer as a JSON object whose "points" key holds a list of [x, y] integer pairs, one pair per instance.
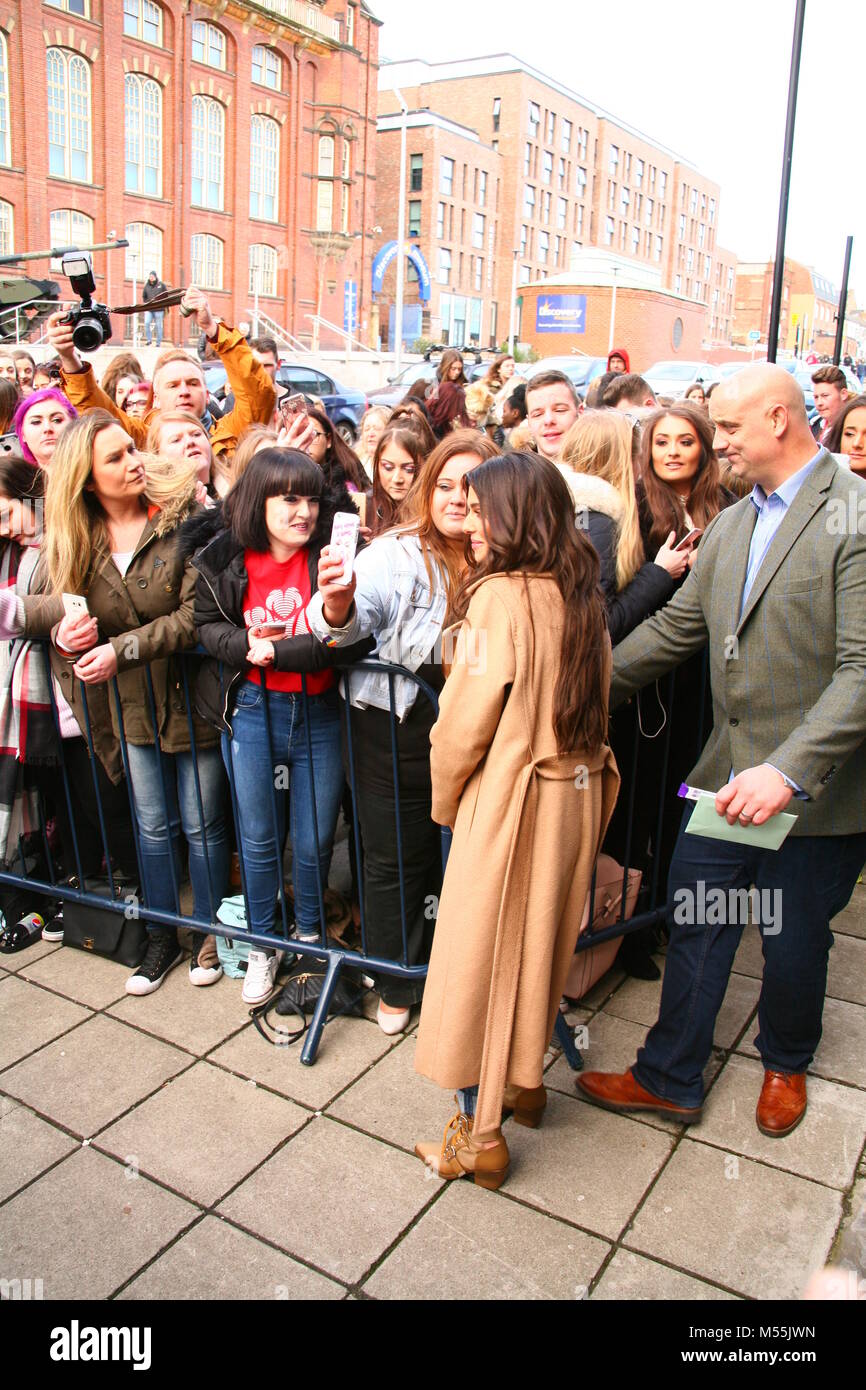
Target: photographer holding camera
{"points": [[178, 380]]}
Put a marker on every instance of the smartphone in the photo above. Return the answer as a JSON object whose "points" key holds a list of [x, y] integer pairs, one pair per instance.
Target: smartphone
{"points": [[270, 630], [344, 536], [690, 539], [290, 406], [9, 443], [75, 606]]}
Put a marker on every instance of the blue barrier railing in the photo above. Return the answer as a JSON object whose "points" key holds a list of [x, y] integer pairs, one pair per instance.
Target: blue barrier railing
{"points": [[339, 956]]}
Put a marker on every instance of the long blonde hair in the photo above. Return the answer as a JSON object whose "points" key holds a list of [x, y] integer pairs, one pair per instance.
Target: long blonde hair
{"points": [[600, 443], [76, 536]]}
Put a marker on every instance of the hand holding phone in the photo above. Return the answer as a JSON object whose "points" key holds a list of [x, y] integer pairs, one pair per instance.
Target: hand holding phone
{"points": [[344, 542], [74, 606], [290, 406], [690, 539]]}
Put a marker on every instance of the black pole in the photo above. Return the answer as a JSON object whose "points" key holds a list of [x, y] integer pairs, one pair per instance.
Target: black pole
{"points": [[843, 304], [779, 267]]}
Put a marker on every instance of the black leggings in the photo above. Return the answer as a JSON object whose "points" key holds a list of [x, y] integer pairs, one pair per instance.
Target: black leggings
{"points": [[116, 812]]}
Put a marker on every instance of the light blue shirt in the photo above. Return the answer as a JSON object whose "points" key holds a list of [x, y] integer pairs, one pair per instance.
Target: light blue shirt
{"points": [[771, 513]]}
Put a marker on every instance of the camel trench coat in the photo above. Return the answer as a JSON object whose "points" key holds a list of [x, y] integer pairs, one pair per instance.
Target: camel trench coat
{"points": [[528, 824]]}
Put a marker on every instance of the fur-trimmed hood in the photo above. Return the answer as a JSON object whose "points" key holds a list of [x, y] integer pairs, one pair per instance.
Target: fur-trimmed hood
{"points": [[593, 494]]}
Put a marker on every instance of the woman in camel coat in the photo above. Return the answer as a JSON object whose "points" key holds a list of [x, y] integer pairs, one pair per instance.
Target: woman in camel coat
{"points": [[523, 774]]}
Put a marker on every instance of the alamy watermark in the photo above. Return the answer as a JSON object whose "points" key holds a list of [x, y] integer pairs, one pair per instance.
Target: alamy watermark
{"points": [[703, 906]]}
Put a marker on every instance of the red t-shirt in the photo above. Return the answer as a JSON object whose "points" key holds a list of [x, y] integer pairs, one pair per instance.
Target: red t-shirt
{"points": [[278, 591]]}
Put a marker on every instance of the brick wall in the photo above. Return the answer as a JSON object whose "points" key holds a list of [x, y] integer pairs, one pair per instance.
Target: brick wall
{"points": [[644, 325], [323, 87]]}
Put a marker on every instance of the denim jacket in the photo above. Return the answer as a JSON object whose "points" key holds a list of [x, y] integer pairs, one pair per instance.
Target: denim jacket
{"points": [[395, 604]]}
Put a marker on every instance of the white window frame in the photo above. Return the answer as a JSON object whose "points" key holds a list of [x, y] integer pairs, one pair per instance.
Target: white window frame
{"points": [[70, 118], [326, 157], [7, 228], [534, 119], [208, 146], [270, 65], [81, 10], [211, 40], [142, 130], [263, 258], [324, 206], [479, 223], [446, 175], [547, 167], [76, 229], [264, 168], [562, 213], [138, 16], [445, 266], [144, 250], [440, 220], [207, 254], [609, 231], [565, 136], [528, 200], [482, 188]]}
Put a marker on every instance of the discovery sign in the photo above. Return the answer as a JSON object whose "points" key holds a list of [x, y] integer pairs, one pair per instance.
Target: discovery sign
{"points": [[560, 313]]}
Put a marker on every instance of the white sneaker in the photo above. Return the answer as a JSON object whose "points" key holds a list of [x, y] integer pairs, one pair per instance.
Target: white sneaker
{"points": [[262, 967]]}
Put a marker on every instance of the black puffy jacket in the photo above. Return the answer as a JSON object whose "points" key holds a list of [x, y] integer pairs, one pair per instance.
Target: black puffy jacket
{"points": [[221, 585]]}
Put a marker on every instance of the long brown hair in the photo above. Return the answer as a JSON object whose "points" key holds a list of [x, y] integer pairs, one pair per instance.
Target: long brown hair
{"points": [[412, 415], [491, 376], [446, 362], [418, 507], [529, 526], [340, 464], [387, 512], [666, 507]]}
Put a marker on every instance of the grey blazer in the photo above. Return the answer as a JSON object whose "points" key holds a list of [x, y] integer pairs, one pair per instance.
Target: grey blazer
{"points": [[789, 676]]}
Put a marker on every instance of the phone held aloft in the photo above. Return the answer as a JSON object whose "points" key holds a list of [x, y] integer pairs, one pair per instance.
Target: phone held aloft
{"points": [[344, 538], [291, 406]]}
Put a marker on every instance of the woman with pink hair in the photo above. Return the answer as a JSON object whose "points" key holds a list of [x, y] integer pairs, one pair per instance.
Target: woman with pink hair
{"points": [[38, 421]]}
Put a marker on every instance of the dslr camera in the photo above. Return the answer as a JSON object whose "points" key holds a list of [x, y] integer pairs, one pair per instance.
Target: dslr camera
{"points": [[91, 325]]}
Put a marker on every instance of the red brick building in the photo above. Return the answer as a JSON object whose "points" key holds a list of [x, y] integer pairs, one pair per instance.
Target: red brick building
{"points": [[572, 178], [233, 143]]}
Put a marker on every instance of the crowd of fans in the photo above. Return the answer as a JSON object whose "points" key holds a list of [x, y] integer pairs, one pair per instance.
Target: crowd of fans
{"points": [[191, 527]]}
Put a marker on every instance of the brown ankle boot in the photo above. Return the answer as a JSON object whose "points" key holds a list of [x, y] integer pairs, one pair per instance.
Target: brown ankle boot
{"points": [[526, 1106], [460, 1154]]}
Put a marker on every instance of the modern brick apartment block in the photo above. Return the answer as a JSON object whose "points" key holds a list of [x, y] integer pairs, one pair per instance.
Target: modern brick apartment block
{"points": [[572, 177]]}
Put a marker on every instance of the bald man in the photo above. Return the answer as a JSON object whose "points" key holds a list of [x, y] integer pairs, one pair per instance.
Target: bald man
{"points": [[778, 589]]}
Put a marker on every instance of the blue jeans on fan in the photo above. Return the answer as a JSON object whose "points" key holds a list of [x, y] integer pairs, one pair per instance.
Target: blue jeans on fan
{"points": [[153, 319], [261, 773], [157, 831]]}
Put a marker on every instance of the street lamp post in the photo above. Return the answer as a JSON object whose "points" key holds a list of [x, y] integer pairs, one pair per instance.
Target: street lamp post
{"points": [[134, 262], [512, 322], [401, 235]]}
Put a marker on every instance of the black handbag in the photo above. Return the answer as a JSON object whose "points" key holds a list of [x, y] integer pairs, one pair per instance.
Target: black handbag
{"points": [[300, 994], [119, 936]]}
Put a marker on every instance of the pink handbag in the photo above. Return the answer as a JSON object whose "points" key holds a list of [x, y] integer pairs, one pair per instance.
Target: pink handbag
{"points": [[589, 965]]}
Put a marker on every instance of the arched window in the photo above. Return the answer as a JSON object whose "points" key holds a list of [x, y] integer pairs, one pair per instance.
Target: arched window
{"points": [[207, 262], [69, 228], [267, 67], [5, 150], [143, 127], [263, 266], [144, 252], [208, 143], [142, 19], [264, 158], [68, 115], [326, 156], [208, 44], [7, 228]]}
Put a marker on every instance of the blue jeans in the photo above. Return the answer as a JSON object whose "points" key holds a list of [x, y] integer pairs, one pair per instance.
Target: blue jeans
{"points": [[260, 777], [801, 886], [156, 831], [153, 319]]}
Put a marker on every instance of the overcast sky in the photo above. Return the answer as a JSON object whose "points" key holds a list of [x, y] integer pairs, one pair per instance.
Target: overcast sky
{"points": [[710, 80]]}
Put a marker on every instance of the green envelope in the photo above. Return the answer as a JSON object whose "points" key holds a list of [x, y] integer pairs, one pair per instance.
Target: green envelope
{"points": [[706, 821]]}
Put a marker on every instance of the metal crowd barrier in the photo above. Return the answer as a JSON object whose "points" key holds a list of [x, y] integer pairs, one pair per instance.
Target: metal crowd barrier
{"points": [[651, 906]]}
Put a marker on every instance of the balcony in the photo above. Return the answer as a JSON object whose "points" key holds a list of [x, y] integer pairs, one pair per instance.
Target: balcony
{"points": [[300, 18]]}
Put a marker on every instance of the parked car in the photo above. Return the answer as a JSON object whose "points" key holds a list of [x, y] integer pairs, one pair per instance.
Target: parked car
{"points": [[582, 370], [395, 388], [343, 405], [675, 378]]}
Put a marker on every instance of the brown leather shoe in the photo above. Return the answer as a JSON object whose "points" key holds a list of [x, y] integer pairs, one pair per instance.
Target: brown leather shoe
{"points": [[460, 1154], [622, 1092], [782, 1103]]}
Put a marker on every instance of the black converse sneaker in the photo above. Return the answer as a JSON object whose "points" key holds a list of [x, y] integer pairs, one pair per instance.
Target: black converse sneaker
{"points": [[204, 963], [53, 929], [162, 954]]}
